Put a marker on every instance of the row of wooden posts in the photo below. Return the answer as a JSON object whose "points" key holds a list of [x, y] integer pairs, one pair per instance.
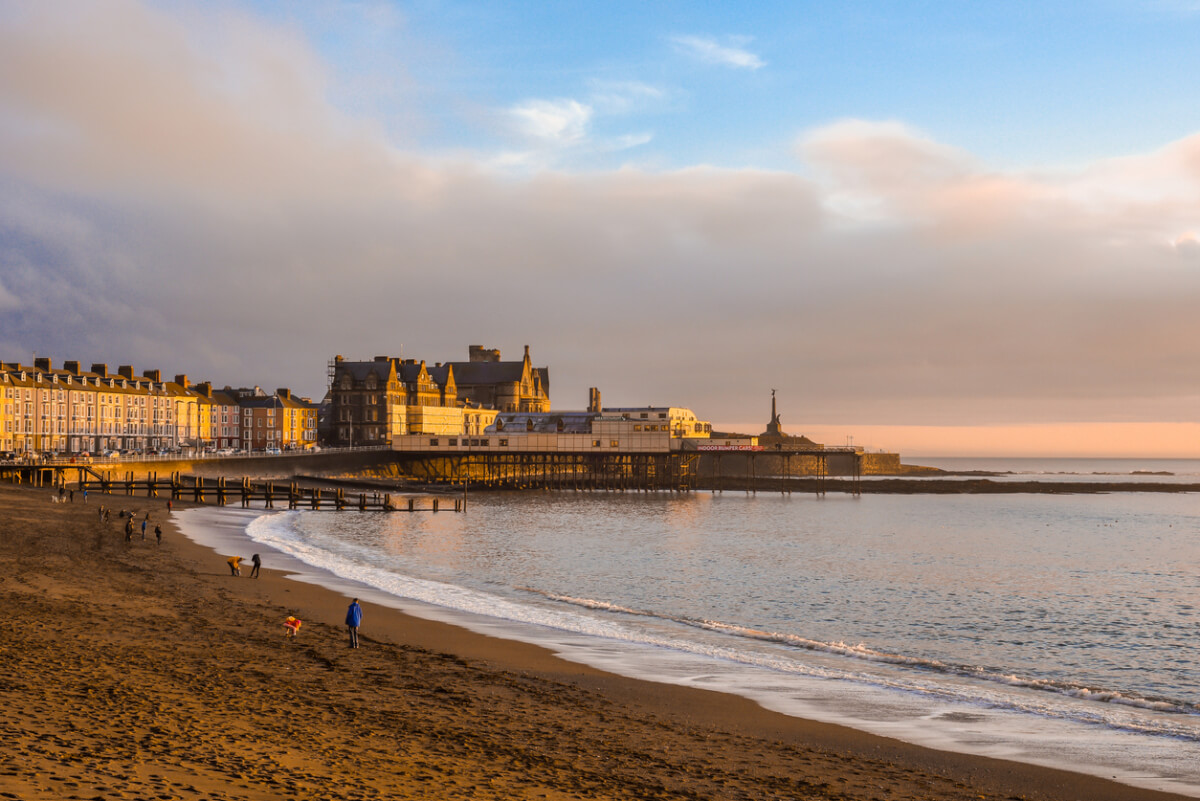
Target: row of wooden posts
{"points": [[269, 494]]}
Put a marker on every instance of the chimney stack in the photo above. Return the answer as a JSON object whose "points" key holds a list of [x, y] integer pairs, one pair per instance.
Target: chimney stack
{"points": [[41, 364], [181, 380], [100, 370]]}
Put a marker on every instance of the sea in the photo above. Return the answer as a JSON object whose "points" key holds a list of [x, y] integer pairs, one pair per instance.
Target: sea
{"points": [[1055, 629]]}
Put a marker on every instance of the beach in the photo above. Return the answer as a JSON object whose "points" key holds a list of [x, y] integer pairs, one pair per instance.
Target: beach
{"points": [[131, 670]]}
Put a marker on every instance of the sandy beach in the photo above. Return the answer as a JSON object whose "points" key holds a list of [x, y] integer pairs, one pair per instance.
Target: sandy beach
{"points": [[130, 670]]}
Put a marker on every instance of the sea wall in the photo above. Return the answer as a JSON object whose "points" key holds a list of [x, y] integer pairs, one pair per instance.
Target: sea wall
{"points": [[763, 463]]}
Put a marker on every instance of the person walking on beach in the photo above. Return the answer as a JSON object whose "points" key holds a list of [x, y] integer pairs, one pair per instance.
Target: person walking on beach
{"points": [[158, 534], [144, 528], [353, 621], [168, 506], [129, 529], [257, 565], [235, 565], [85, 496]]}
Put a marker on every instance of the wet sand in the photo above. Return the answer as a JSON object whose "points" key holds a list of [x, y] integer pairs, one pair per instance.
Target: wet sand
{"points": [[133, 671]]}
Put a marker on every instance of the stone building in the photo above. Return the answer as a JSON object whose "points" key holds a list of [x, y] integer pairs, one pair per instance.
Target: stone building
{"points": [[370, 402]]}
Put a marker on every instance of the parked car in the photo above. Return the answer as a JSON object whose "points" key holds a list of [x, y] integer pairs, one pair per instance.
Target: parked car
{"points": [[272, 451]]}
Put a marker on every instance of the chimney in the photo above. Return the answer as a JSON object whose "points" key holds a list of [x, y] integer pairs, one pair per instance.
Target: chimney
{"points": [[125, 370], [594, 400], [154, 375], [381, 358], [284, 393], [181, 380], [204, 389], [100, 370], [71, 367], [42, 364], [478, 353]]}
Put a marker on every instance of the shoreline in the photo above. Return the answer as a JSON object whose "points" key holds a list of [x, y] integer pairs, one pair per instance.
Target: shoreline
{"points": [[153, 647]]}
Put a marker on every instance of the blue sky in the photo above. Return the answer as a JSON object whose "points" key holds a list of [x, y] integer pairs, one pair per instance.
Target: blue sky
{"points": [[1016, 84], [953, 227]]}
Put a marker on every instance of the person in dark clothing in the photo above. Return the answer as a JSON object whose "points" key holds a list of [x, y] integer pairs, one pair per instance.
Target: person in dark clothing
{"points": [[257, 564], [129, 529], [158, 534], [143, 529], [353, 621]]}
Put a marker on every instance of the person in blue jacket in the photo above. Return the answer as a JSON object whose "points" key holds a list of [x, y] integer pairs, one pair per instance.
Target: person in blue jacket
{"points": [[353, 621]]}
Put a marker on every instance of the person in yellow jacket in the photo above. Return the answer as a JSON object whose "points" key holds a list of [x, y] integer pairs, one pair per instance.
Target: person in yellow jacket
{"points": [[291, 626], [235, 565]]}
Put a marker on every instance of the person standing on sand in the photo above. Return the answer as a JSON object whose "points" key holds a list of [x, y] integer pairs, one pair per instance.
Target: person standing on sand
{"points": [[85, 496], [168, 506], [129, 529], [353, 621], [144, 528], [257, 565], [158, 534], [235, 565]]}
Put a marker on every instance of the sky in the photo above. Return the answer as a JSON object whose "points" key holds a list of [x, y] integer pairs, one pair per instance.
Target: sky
{"points": [[934, 227]]}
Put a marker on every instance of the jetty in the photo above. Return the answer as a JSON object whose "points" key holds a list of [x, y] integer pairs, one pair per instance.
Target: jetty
{"points": [[223, 491]]}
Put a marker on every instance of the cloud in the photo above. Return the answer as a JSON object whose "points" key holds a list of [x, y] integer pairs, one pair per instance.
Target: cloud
{"points": [[558, 122], [710, 51], [624, 97], [178, 193], [8, 300], [1187, 245]]}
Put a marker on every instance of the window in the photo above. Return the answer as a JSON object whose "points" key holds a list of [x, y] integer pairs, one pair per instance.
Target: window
{"points": [[637, 427], [433, 441], [595, 443], [612, 443], [503, 443], [452, 441], [483, 442]]}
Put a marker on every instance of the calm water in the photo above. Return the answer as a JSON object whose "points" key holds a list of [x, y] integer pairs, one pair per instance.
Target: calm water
{"points": [[1060, 630]]}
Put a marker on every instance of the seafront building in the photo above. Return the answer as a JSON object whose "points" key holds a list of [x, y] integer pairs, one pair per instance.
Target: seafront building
{"points": [[373, 402], [70, 410]]}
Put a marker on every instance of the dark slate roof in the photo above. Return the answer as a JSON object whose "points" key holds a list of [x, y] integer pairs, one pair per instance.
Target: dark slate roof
{"points": [[360, 370], [488, 372]]}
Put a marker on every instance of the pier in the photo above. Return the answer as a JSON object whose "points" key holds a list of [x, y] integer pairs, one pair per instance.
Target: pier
{"points": [[223, 491]]}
